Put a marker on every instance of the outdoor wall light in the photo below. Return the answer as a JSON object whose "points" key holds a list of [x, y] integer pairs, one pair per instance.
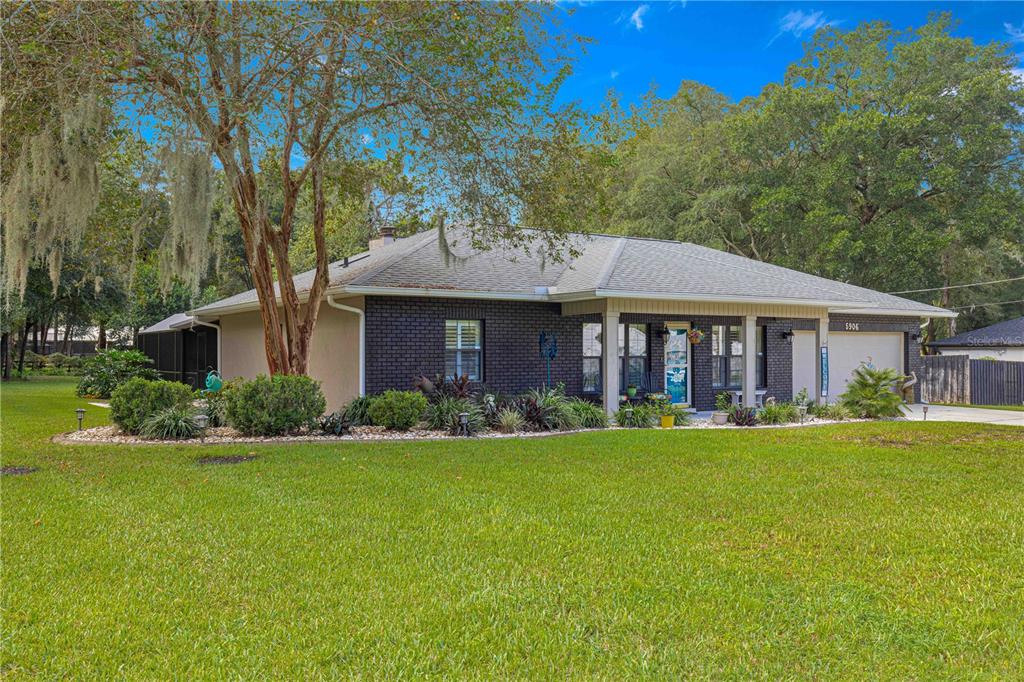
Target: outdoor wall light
{"points": [[464, 423], [915, 337], [787, 335], [80, 412]]}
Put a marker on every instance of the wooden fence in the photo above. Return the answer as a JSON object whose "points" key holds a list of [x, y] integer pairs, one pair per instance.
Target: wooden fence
{"points": [[958, 379]]}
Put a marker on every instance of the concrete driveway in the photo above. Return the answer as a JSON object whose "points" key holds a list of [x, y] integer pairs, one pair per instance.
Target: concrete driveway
{"points": [[945, 413]]}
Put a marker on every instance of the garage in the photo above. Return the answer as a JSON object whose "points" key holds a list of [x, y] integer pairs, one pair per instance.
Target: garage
{"points": [[847, 350]]}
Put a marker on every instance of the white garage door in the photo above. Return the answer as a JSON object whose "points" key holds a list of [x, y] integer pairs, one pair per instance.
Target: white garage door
{"points": [[847, 350]]}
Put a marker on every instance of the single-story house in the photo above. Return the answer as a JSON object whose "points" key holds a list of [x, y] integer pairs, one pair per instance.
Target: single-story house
{"points": [[616, 314], [181, 347], [1002, 341]]}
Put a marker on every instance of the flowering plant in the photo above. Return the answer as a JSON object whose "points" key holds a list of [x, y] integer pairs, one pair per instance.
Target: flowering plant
{"points": [[695, 336]]}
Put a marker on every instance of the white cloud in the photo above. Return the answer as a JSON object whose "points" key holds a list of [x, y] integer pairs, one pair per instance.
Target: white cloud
{"points": [[614, 74], [1016, 33], [637, 17], [797, 22], [366, 139]]}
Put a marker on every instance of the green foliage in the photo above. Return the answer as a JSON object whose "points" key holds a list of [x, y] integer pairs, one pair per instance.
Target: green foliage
{"points": [[546, 409], [215, 404], [831, 412], [335, 424], [801, 398], [723, 401], [588, 415], [398, 410], [138, 399], [641, 416], [509, 420], [874, 393], [743, 416], [778, 413], [443, 414], [176, 422], [274, 406], [357, 412], [107, 370]]}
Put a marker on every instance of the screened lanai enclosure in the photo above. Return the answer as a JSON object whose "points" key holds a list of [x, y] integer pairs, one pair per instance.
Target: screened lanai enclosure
{"points": [[181, 349]]}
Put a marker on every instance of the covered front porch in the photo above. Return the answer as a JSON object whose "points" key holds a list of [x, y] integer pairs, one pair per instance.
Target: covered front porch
{"points": [[691, 351]]}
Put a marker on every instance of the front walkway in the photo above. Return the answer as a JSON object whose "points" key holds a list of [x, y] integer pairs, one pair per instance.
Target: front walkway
{"points": [[946, 413]]}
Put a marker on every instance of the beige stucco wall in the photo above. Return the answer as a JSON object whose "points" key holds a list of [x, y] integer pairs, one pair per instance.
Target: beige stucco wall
{"points": [[333, 355], [241, 346]]}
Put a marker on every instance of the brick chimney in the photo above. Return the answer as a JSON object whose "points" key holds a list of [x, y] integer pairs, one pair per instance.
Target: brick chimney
{"points": [[385, 236]]}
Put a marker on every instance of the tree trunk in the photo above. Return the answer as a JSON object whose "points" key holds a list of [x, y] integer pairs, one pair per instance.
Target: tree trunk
{"points": [[21, 352], [5, 356], [35, 339], [101, 343], [67, 338]]}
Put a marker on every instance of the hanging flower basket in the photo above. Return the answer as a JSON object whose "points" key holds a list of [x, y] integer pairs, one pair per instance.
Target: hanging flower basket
{"points": [[695, 336]]}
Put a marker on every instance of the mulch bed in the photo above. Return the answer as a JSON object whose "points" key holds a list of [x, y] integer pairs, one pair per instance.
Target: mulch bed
{"points": [[17, 471], [225, 459]]}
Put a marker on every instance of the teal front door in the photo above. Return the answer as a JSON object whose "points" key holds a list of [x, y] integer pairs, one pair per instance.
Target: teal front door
{"points": [[677, 365]]}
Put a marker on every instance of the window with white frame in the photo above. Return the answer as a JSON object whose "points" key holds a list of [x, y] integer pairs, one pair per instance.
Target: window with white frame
{"points": [[463, 349], [591, 357]]}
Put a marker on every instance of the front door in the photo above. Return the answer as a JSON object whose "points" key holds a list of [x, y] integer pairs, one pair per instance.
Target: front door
{"points": [[677, 365]]}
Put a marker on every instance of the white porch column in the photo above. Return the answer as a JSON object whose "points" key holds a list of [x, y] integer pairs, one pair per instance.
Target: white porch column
{"points": [[610, 361], [822, 342], [749, 361]]}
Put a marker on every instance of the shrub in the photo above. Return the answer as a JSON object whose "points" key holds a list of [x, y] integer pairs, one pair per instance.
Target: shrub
{"points": [[136, 400], [588, 415], [509, 420], [358, 411], [723, 401], [441, 386], [335, 424], [274, 406], [743, 416], [544, 409], [801, 398], [873, 393], [58, 360], [105, 371], [778, 413], [398, 410], [663, 407], [640, 416], [832, 412], [443, 414], [171, 423]]}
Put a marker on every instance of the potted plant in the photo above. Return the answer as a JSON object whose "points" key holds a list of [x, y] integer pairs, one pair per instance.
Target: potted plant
{"points": [[631, 391], [695, 336], [665, 410], [723, 401]]}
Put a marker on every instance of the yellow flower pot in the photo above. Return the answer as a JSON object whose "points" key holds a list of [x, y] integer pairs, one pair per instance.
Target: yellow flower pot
{"points": [[668, 421]]}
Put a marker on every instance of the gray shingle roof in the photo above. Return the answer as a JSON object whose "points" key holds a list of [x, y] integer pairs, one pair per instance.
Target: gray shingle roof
{"points": [[606, 265], [175, 321], [1002, 334]]}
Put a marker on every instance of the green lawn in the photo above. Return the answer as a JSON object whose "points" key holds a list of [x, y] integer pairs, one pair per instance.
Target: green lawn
{"points": [[855, 551]]}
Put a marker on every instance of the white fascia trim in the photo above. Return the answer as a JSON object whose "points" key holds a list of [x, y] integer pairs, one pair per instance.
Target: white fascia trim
{"points": [[438, 293], [714, 298], [894, 312]]}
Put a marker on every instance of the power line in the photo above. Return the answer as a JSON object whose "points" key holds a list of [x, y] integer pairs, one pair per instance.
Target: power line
{"points": [[957, 286], [983, 305]]}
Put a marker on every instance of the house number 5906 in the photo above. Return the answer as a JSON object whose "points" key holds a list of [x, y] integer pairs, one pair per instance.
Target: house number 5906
{"points": [[853, 326]]}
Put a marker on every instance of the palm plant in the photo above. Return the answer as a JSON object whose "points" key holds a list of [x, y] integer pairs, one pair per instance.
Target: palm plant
{"points": [[873, 393]]}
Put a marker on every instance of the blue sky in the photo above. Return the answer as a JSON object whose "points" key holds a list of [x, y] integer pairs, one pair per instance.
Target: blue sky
{"points": [[738, 47]]}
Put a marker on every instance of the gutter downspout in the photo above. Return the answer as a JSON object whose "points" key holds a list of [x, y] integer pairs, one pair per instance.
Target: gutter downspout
{"points": [[362, 339], [214, 326]]}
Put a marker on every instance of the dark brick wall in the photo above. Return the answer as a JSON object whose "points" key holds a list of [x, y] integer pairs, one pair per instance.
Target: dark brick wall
{"points": [[405, 338]]}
